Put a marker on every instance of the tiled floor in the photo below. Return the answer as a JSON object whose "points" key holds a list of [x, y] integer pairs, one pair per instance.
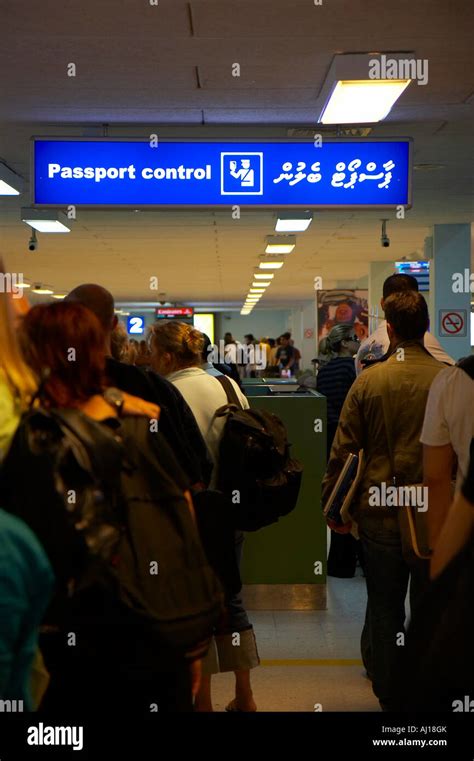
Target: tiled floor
{"points": [[309, 658]]}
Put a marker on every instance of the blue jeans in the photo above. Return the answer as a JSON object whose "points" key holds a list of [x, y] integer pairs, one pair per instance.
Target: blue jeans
{"points": [[387, 576]]}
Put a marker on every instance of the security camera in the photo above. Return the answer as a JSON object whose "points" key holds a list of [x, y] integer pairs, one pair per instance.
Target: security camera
{"points": [[33, 242], [384, 239]]}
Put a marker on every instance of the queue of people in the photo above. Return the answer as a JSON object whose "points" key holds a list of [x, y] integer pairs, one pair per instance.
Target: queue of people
{"points": [[100, 590], [408, 414], [103, 442]]}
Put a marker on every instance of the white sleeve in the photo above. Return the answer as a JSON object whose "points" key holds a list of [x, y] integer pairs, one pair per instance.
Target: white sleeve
{"points": [[435, 431]]}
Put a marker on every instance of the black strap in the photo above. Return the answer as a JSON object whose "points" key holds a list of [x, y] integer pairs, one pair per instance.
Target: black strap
{"points": [[230, 391]]}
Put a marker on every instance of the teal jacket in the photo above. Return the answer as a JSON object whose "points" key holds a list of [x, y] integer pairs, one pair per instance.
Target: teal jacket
{"points": [[26, 583]]}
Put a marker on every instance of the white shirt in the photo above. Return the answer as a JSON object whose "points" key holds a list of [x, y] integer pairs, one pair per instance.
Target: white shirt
{"points": [[449, 416], [378, 343], [209, 368], [205, 395]]}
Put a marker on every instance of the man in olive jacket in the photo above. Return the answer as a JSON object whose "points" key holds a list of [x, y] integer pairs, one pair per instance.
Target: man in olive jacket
{"points": [[394, 390]]}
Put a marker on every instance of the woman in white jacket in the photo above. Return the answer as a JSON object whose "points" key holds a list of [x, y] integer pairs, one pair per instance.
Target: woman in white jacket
{"points": [[177, 354]]}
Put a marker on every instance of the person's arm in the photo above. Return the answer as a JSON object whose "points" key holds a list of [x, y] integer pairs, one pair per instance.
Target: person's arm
{"points": [[194, 440], [456, 531], [133, 405], [437, 476], [179, 426], [349, 437]]}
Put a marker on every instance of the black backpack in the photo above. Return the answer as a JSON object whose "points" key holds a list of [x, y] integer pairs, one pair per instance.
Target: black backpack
{"points": [[255, 469], [141, 545]]}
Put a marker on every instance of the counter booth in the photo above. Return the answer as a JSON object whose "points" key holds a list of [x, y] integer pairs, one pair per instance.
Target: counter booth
{"points": [[284, 565]]}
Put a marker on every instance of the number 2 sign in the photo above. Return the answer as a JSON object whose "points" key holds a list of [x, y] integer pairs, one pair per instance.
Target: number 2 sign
{"points": [[135, 325]]}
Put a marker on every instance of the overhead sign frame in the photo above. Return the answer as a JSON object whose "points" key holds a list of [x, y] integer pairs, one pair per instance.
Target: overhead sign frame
{"points": [[171, 312], [234, 198]]}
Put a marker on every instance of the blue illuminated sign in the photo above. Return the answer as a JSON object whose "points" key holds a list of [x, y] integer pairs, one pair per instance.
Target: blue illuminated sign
{"points": [[135, 325], [339, 173]]}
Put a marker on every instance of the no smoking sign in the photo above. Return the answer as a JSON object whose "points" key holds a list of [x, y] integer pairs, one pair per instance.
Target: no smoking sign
{"points": [[453, 322]]}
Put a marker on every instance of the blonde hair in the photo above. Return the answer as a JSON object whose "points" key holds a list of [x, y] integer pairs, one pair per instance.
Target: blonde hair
{"points": [[182, 341], [19, 377], [119, 344]]}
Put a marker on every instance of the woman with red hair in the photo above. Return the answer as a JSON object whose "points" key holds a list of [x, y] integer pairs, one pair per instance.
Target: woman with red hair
{"points": [[63, 345]]}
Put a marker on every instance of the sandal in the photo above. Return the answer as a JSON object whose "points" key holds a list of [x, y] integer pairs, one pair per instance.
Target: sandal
{"points": [[232, 708]]}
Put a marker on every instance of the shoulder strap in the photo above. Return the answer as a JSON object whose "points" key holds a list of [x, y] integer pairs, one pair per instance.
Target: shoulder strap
{"points": [[230, 391]]}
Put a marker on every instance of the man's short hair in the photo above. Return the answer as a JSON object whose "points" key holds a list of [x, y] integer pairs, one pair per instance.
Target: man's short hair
{"points": [[407, 313], [399, 283], [98, 299]]}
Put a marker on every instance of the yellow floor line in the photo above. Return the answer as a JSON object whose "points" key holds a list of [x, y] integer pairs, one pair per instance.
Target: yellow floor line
{"points": [[312, 662]]}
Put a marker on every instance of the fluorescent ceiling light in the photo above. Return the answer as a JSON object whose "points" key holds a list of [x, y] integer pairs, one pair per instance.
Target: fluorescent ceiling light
{"points": [[260, 276], [270, 265], [260, 284], [362, 87], [59, 295], [361, 101], [42, 290], [46, 221], [24, 285], [280, 244], [10, 183], [245, 311], [293, 223], [256, 290]]}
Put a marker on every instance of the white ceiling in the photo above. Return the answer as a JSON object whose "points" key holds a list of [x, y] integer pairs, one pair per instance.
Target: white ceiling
{"points": [[169, 67]]}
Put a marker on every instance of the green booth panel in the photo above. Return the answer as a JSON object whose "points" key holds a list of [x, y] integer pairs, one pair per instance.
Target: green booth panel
{"points": [[246, 382], [284, 565]]}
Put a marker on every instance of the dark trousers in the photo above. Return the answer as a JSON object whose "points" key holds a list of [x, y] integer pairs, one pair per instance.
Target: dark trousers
{"points": [[383, 636], [92, 680]]}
